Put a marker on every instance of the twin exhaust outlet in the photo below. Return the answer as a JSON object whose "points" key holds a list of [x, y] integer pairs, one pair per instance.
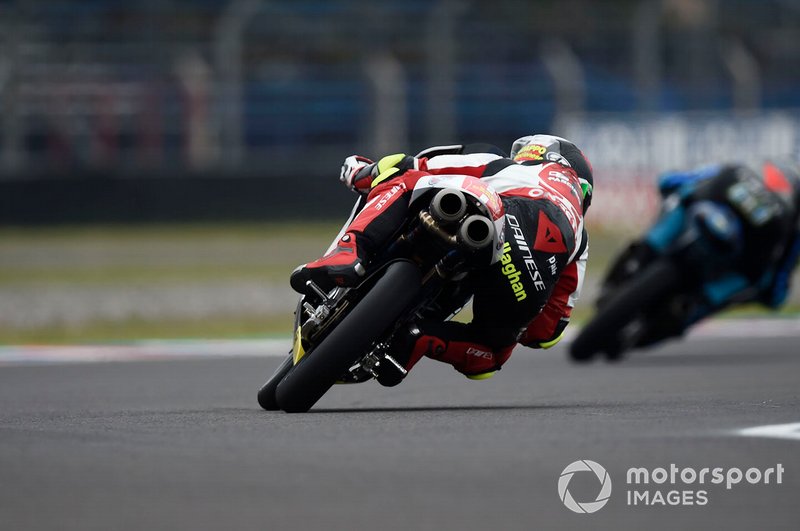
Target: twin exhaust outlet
{"points": [[449, 206]]}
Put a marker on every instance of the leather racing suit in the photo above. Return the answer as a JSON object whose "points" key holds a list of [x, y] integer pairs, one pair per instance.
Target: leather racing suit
{"points": [[528, 296]]}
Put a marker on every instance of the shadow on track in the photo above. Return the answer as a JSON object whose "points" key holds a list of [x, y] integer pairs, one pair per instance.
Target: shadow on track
{"points": [[418, 409]]}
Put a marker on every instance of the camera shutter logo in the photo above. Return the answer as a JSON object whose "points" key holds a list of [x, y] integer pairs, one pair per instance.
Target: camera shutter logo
{"points": [[584, 465]]}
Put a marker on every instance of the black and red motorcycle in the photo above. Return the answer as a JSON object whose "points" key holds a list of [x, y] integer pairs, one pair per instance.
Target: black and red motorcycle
{"points": [[454, 225]]}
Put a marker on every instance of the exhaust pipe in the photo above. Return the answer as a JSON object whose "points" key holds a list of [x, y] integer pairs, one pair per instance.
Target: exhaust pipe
{"points": [[476, 232], [448, 205]]}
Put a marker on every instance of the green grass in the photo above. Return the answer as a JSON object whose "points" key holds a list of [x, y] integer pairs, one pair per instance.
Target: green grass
{"points": [[35, 260], [39, 259], [165, 253], [146, 273]]}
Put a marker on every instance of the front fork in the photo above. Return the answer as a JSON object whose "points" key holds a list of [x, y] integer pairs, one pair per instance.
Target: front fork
{"points": [[316, 317]]}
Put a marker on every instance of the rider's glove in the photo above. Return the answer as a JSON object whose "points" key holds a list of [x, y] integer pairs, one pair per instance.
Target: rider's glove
{"points": [[357, 173], [392, 166], [361, 174]]}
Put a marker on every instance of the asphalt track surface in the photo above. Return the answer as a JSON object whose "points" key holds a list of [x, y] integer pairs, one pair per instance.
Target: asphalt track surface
{"points": [[183, 445]]}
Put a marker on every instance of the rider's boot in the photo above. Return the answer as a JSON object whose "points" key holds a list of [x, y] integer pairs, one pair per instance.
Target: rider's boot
{"points": [[342, 266]]}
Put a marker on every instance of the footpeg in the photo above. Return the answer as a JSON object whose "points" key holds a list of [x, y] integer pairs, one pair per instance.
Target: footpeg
{"points": [[355, 374], [390, 372], [396, 366]]}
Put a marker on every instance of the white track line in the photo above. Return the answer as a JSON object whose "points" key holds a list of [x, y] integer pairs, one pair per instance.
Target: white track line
{"points": [[774, 431], [198, 348], [143, 350], [756, 327]]}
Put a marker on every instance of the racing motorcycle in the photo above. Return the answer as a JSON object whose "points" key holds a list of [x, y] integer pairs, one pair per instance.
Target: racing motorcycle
{"points": [[642, 301], [454, 224]]}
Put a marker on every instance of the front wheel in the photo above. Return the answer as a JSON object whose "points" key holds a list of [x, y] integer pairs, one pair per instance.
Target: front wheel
{"points": [[266, 395], [319, 369], [632, 299]]}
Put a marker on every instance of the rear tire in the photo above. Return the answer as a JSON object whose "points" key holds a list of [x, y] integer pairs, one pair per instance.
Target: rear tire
{"points": [[318, 370], [633, 298]]}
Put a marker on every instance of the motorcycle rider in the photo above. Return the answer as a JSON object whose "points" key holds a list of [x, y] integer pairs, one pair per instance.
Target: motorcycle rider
{"points": [[767, 202], [527, 297]]}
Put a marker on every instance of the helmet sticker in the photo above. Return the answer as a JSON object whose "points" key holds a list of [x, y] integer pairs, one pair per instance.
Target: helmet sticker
{"points": [[531, 152]]}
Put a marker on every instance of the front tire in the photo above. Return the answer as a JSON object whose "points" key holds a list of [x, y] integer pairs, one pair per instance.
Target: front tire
{"points": [[319, 369], [266, 395], [602, 333]]}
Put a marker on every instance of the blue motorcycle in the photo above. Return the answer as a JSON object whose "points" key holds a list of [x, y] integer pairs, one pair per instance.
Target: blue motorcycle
{"points": [[653, 292], [726, 235]]}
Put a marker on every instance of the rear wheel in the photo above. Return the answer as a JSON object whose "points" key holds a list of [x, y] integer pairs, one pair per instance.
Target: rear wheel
{"points": [[318, 370], [604, 333]]}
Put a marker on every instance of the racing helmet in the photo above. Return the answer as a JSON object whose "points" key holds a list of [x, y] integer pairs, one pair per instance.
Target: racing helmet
{"points": [[538, 149], [782, 177]]}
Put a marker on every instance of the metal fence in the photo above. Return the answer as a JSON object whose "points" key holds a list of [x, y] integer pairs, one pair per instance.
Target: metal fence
{"points": [[114, 86]]}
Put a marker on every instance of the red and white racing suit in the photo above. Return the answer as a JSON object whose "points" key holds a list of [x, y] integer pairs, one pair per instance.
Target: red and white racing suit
{"points": [[525, 298]]}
